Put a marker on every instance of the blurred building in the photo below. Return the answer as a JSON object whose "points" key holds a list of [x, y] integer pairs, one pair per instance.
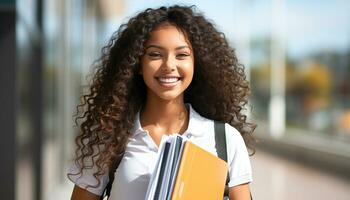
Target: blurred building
{"points": [[296, 54]]}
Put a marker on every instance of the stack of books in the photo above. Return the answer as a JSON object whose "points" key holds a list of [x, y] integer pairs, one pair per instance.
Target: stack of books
{"points": [[184, 171]]}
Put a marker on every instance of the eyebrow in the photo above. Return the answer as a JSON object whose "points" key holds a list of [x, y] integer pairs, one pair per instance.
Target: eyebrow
{"points": [[159, 47]]}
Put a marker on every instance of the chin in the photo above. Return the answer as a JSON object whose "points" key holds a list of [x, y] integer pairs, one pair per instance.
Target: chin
{"points": [[170, 97]]}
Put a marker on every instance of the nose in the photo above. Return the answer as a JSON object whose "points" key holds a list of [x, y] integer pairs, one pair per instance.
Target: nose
{"points": [[169, 64]]}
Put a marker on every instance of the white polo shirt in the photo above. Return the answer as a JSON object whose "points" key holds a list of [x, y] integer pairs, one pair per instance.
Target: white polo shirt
{"points": [[135, 169]]}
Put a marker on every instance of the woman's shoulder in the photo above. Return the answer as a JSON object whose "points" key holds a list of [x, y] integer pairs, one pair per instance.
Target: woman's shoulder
{"points": [[232, 132], [233, 136], [236, 146]]}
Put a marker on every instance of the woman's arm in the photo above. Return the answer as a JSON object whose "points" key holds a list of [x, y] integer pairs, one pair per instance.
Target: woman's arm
{"points": [[240, 192], [81, 194]]}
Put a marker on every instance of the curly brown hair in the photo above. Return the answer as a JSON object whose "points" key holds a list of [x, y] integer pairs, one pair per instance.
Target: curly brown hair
{"points": [[219, 89]]}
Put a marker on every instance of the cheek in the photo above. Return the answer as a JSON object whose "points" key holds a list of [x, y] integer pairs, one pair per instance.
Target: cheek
{"points": [[148, 73], [189, 69]]}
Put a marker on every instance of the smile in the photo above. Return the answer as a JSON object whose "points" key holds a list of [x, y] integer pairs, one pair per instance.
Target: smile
{"points": [[168, 82]]}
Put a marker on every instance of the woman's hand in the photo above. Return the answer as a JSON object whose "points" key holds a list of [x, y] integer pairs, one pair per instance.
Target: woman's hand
{"points": [[240, 192], [81, 194]]}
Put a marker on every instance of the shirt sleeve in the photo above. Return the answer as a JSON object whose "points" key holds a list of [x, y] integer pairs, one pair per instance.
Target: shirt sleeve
{"points": [[240, 170], [86, 179]]}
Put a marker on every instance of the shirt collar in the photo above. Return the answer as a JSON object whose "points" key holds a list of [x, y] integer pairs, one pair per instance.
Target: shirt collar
{"points": [[137, 125], [194, 125]]}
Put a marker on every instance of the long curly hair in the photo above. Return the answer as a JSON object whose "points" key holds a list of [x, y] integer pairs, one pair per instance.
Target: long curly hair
{"points": [[219, 89]]}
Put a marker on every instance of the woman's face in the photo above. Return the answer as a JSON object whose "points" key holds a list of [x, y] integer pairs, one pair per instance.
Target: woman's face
{"points": [[167, 65]]}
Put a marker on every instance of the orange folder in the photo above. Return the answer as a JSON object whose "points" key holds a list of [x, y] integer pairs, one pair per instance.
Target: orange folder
{"points": [[201, 175]]}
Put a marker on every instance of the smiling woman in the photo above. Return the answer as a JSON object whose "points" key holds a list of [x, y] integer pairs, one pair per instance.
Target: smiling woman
{"points": [[167, 65], [168, 70]]}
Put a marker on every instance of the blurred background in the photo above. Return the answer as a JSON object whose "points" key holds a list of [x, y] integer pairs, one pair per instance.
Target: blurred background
{"points": [[296, 54]]}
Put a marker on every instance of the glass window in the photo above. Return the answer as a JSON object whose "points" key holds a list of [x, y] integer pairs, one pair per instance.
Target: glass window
{"points": [[318, 66]]}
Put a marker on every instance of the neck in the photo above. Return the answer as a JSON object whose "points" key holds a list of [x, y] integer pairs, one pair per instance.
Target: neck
{"points": [[168, 115]]}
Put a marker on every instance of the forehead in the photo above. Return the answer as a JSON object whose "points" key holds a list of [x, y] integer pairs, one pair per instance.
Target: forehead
{"points": [[167, 36]]}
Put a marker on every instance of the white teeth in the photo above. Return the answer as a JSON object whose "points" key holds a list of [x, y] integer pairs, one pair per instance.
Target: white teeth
{"points": [[168, 80]]}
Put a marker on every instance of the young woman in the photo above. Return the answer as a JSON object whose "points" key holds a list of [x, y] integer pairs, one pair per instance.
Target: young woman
{"points": [[168, 70]]}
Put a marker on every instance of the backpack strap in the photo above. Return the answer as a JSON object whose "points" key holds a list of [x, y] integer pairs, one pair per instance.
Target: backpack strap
{"points": [[107, 191], [221, 148]]}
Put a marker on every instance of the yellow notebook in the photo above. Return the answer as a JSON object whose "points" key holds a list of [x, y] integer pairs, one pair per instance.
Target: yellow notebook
{"points": [[201, 175]]}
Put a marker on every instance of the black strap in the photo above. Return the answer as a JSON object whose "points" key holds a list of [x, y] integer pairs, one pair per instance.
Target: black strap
{"points": [[221, 148], [107, 191]]}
